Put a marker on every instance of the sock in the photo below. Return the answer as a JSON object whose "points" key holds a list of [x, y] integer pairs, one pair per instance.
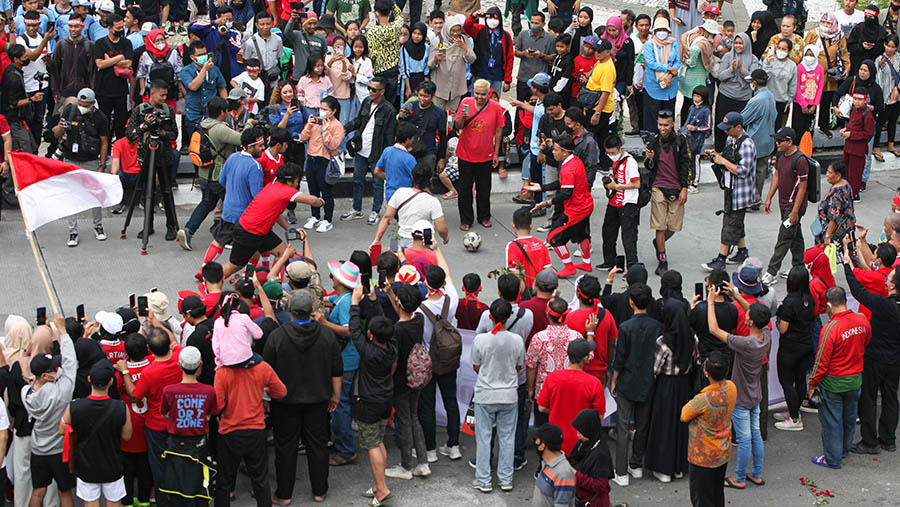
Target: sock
{"points": [[563, 254], [212, 253], [265, 261], [721, 257], [255, 260], [662, 256], [585, 247]]}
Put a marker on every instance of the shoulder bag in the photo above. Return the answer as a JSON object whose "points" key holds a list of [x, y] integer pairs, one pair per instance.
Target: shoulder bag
{"points": [[271, 74], [845, 103], [335, 168]]}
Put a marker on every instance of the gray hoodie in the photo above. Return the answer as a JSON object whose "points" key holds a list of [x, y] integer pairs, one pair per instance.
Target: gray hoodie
{"points": [[46, 406]]}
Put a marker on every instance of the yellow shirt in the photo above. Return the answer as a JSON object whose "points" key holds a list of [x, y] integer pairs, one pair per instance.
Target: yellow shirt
{"points": [[603, 79]]}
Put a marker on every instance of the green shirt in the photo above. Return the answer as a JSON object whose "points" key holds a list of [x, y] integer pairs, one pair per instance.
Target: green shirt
{"points": [[346, 11]]}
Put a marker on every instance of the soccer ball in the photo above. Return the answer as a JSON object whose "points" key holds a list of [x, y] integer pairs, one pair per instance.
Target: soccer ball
{"points": [[472, 241]]}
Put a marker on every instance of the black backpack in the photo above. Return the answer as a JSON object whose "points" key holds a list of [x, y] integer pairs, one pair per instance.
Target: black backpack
{"points": [[164, 71], [814, 174]]}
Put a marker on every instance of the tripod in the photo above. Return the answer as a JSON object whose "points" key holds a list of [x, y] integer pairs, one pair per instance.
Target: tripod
{"points": [[148, 187]]}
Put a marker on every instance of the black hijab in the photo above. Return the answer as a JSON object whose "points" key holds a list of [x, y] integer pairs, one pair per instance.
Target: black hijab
{"points": [[581, 32], [677, 333], [416, 51], [768, 29], [591, 457], [871, 28]]}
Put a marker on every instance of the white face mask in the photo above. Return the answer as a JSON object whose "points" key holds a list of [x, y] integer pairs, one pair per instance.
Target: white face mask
{"points": [[616, 157], [780, 54], [324, 114], [809, 61], [83, 110], [159, 45], [493, 23], [698, 102], [661, 35]]}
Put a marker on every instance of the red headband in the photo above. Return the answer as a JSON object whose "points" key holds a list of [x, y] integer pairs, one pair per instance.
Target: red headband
{"points": [[497, 328], [473, 294], [560, 317], [583, 296], [860, 96], [871, 12]]}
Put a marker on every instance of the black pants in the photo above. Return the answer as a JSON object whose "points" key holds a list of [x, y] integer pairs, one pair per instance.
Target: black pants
{"points": [[391, 77], [781, 112], [290, 423], [523, 91], [626, 217], [802, 122], [890, 114], [250, 446], [878, 376], [601, 130], [415, 11], [792, 366], [479, 174], [825, 110], [707, 486], [725, 105], [635, 106], [116, 110], [447, 384], [136, 467], [157, 443]]}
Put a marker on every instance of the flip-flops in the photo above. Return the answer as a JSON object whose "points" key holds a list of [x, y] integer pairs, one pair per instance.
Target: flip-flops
{"points": [[369, 493], [729, 483], [375, 502], [820, 460], [756, 481]]}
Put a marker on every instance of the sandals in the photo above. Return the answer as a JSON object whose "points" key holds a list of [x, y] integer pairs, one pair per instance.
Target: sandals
{"points": [[730, 483], [375, 502], [486, 224], [464, 227], [895, 152], [820, 460], [757, 481], [338, 461], [502, 173], [369, 493], [878, 156]]}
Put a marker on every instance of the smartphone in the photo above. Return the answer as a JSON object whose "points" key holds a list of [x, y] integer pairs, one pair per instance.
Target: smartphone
{"points": [[466, 109], [426, 237], [248, 271], [292, 235], [131, 301], [295, 102], [142, 306], [366, 280], [79, 312], [620, 261], [382, 277], [41, 315], [699, 288]]}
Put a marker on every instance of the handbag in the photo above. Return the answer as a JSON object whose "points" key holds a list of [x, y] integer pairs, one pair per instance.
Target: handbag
{"points": [[355, 142], [845, 103], [335, 168], [271, 74], [123, 72], [835, 73]]}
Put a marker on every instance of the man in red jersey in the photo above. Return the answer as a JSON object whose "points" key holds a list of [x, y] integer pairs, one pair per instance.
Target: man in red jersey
{"points": [[526, 252], [134, 450], [273, 158], [596, 324]]}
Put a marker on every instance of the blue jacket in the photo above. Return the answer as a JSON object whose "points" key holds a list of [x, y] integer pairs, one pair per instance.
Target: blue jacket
{"points": [[759, 121], [653, 65]]}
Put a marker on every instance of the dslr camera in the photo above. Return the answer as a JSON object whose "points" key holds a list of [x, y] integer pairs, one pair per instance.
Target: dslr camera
{"points": [[647, 137], [43, 79]]}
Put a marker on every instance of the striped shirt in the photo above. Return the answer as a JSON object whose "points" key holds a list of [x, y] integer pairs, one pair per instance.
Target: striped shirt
{"points": [[555, 485]]}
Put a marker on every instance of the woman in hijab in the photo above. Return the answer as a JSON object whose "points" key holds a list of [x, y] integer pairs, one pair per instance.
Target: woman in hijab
{"points": [[810, 84], [762, 28], [157, 50], [591, 460], [676, 355], [866, 40], [661, 75], [12, 322], [447, 62], [865, 77], [833, 54], [622, 52], [413, 61], [580, 29], [734, 89]]}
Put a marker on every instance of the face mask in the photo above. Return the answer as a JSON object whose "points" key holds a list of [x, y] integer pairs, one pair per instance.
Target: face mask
{"points": [[895, 7], [809, 61], [616, 157], [698, 102], [83, 110], [229, 25], [119, 33], [201, 60], [536, 30], [324, 114], [781, 55], [661, 35], [159, 45], [493, 23]]}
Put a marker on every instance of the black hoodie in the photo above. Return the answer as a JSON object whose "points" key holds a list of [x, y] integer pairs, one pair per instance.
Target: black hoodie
{"points": [[306, 358], [376, 365]]}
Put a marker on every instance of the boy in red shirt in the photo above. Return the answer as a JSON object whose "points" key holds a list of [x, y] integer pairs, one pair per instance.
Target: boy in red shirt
{"points": [[857, 133], [583, 65], [526, 252], [272, 158], [469, 310], [134, 450], [596, 324]]}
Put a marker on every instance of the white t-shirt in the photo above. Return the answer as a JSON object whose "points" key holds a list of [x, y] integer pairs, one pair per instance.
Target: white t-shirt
{"points": [[29, 71], [369, 132], [623, 174], [421, 207], [848, 22], [435, 308], [255, 89]]}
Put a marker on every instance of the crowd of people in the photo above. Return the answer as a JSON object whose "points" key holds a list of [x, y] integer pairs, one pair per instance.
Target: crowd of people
{"points": [[146, 402]]}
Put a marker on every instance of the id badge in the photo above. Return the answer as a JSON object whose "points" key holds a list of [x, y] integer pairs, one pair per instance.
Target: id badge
{"points": [[74, 147], [491, 63]]}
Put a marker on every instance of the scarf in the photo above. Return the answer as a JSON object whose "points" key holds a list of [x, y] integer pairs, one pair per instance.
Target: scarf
{"points": [[765, 33], [746, 58], [665, 48], [619, 40], [11, 322], [815, 49], [834, 31], [41, 343], [581, 32], [157, 54], [591, 457], [454, 52], [706, 48], [416, 51]]}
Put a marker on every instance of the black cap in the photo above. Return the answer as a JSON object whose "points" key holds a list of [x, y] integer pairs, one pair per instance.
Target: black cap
{"points": [[101, 373], [784, 133], [759, 76], [551, 435], [565, 142], [43, 363], [603, 45], [191, 303], [579, 349]]}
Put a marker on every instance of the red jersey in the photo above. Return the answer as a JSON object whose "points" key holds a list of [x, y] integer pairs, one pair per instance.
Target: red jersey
{"points": [[839, 360], [115, 350], [873, 281], [126, 153], [269, 166], [572, 175], [210, 300], [581, 67], [606, 332], [567, 392], [264, 210], [4, 127], [476, 140], [468, 313], [536, 260], [137, 406], [154, 378]]}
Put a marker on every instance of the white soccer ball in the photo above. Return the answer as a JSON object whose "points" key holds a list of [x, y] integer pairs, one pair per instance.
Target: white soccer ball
{"points": [[472, 241]]}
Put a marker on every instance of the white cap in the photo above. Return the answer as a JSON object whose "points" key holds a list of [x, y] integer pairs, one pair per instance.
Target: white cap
{"points": [[106, 6], [421, 225]]}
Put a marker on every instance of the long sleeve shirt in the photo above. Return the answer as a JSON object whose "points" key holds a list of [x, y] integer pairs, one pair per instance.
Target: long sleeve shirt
{"points": [[238, 393], [653, 65], [313, 134], [861, 127], [809, 86], [635, 352], [742, 184], [884, 346], [759, 121], [782, 79], [839, 360]]}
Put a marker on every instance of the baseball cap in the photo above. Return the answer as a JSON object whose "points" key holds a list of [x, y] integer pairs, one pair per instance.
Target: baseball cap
{"points": [[43, 363], [191, 303], [579, 349], [310, 16], [273, 289], [710, 26], [784, 133], [237, 93], [731, 119], [101, 373], [712, 9], [603, 45], [190, 358], [301, 301], [541, 79], [589, 40], [299, 270], [107, 6], [546, 280], [109, 321], [158, 303], [747, 280], [87, 95], [326, 21], [551, 435]]}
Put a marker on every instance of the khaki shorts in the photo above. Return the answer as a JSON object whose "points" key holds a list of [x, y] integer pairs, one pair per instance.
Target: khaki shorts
{"points": [[665, 214], [370, 435]]}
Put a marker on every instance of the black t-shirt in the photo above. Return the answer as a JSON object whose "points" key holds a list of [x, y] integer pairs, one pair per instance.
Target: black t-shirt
{"points": [[799, 315], [562, 68], [407, 333], [726, 316], [13, 86], [202, 339], [85, 132], [550, 128], [99, 458], [88, 352], [106, 83]]}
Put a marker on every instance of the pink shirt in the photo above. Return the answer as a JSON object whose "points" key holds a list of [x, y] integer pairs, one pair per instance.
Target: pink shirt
{"points": [[312, 92], [231, 343], [809, 86], [339, 78]]}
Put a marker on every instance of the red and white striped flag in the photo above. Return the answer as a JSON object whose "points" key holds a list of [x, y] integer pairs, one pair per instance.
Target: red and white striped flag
{"points": [[49, 189]]}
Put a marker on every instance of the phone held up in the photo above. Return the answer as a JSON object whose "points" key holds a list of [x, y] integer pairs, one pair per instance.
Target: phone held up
{"points": [[41, 315], [698, 290], [620, 262], [142, 306], [79, 312]]}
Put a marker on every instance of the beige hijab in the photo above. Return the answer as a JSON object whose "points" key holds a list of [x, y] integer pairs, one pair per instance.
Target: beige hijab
{"points": [[18, 337], [41, 343]]}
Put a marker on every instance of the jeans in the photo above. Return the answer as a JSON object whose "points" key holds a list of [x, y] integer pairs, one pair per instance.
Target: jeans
{"points": [[361, 166], [522, 421], [626, 217], [211, 192], [652, 107], [504, 416], [408, 429], [477, 174], [789, 238], [749, 441], [868, 168], [342, 419], [290, 423], [883, 377], [641, 412], [96, 213], [250, 446], [447, 383], [837, 414], [157, 443], [315, 178], [707, 486]]}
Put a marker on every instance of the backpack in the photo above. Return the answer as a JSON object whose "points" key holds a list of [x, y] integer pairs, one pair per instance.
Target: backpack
{"points": [[202, 150], [164, 71], [418, 367], [813, 175], [646, 180], [446, 342]]}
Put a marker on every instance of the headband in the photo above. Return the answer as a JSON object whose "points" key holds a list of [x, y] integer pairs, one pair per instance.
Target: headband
{"points": [[560, 317], [583, 296], [860, 96], [431, 291], [252, 68], [473, 294], [871, 12], [497, 328]]}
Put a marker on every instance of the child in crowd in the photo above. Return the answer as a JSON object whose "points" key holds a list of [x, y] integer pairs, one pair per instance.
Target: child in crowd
{"points": [[724, 40], [782, 82], [338, 68], [469, 311], [314, 86], [250, 82], [450, 173], [362, 70], [561, 70], [352, 31], [810, 84], [698, 125]]}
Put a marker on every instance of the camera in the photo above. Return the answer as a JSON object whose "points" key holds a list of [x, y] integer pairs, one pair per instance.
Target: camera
{"points": [[41, 77], [606, 180], [223, 29]]}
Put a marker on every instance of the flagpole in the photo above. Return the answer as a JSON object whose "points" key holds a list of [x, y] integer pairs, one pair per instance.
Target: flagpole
{"points": [[30, 234]]}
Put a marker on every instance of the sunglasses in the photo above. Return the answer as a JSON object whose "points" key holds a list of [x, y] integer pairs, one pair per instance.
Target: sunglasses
{"points": [[373, 89], [666, 114]]}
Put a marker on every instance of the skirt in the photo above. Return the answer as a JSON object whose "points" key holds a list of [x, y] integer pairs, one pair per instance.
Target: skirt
{"points": [[668, 437]]}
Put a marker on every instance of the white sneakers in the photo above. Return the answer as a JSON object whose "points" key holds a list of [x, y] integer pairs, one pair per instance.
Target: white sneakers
{"points": [[310, 223], [421, 471], [450, 452], [324, 226], [398, 472], [432, 456], [780, 416], [621, 480], [769, 279], [318, 225], [790, 424], [637, 473], [662, 477]]}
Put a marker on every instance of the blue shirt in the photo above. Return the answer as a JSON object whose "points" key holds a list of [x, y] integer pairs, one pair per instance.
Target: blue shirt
{"points": [[97, 31], [242, 178], [538, 113], [62, 26], [211, 37], [195, 101], [20, 24], [295, 123], [759, 121], [397, 164], [137, 39], [653, 65], [495, 53], [340, 315]]}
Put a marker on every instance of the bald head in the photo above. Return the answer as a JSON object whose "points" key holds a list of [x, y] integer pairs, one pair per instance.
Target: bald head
{"points": [[892, 221]]}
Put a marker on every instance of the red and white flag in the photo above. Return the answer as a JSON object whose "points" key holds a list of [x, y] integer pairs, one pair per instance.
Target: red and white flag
{"points": [[49, 189]]}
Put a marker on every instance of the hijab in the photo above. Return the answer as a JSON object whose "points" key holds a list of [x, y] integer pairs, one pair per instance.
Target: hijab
{"points": [[746, 58], [665, 48], [591, 457], [677, 333], [452, 51], [706, 48], [11, 321], [18, 337], [619, 40], [831, 33], [871, 29], [157, 54], [41, 343], [868, 83], [815, 49], [768, 29], [581, 32], [416, 51]]}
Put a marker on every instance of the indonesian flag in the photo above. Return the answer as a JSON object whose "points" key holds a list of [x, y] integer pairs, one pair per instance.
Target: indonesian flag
{"points": [[49, 189]]}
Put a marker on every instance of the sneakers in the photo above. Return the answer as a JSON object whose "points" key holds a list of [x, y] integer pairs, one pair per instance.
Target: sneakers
{"points": [[518, 465], [73, 239], [451, 452], [545, 228], [171, 234], [311, 223], [351, 215], [324, 226], [99, 234], [693, 189], [716, 263], [506, 486], [790, 424], [472, 463], [809, 407], [584, 266], [118, 209], [621, 480], [291, 216], [662, 268], [862, 186], [781, 416], [769, 279], [398, 472], [182, 30], [861, 448], [889, 447], [662, 477], [568, 270], [484, 487], [637, 473], [450, 195], [432, 456], [184, 239], [373, 217], [421, 471], [606, 266], [739, 257], [784, 274]]}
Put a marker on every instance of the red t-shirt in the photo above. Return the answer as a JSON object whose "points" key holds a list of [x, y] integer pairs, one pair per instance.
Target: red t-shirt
{"points": [[4, 126], [127, 155], [412, 254], [266, 207], [537, 253], [606, 332], [210, 300], [137, 407], [476, 141], [115, 350], [572, 175], [567, 392], [154, 378], [581, 67], [538, 307], [269, 166], [188, 407], [873, 281]]}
